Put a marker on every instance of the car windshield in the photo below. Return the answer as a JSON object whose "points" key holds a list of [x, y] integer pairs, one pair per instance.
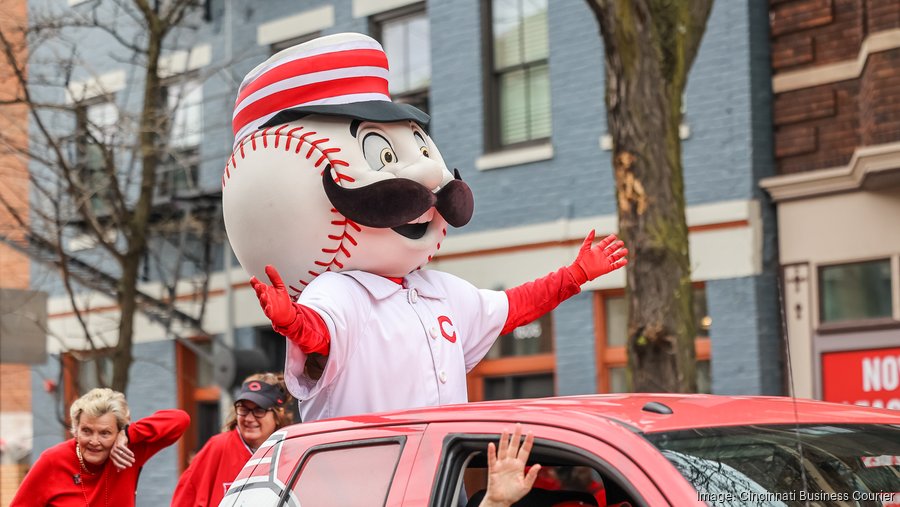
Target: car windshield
{"points": [[805, 465]]}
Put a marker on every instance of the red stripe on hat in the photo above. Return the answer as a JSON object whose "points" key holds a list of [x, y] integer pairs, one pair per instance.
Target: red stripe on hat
{"points": [[316, 63], [301, 95]]}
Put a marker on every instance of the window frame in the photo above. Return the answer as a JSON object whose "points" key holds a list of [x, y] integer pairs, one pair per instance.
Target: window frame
{"points": [[71, 372], [890, 321], [535, 364], [180, 158], [376, 28], [617, 357], [81, 140], [464, 439], [491, 87], [190, 395]]}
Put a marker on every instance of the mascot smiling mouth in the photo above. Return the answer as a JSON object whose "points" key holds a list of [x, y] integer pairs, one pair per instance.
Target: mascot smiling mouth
{"points": [[397, 202]]}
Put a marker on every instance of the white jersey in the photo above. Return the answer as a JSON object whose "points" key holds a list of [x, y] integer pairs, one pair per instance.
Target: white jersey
{"points": [[394, 347]]}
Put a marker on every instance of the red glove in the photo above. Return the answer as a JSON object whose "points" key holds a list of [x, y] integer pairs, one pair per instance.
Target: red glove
{"points": [[274, 299], [298, 323], [598, 260]]}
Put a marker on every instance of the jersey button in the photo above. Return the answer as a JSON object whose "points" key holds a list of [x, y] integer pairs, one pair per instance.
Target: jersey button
{"points": [[443, 377], [413, 296], [433, 332]]}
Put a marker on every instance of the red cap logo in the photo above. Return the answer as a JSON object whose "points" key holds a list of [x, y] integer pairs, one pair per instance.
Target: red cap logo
{"points": [[254, 386]]}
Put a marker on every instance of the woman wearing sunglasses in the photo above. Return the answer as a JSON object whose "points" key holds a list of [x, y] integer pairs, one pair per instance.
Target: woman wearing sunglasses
{"points": [[261, 408]]}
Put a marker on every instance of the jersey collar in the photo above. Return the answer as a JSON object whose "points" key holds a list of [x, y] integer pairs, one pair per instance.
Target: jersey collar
{"points": [[380, 287]]}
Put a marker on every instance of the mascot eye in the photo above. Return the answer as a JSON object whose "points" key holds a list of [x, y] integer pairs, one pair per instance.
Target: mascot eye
{"points": [[423, 146], [378, 151]]}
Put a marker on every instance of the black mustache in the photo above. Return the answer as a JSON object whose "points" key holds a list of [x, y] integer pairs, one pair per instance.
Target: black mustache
{"points": [[398, 201]]}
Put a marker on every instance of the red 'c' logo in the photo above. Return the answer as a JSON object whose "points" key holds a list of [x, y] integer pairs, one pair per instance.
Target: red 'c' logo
{"points": [[447, 329], [254, 386]]}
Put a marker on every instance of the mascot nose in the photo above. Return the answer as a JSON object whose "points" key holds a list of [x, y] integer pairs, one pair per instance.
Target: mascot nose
{"points": [[427, 172]]}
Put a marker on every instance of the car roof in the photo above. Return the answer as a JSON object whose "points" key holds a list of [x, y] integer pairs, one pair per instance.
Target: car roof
{"points": [[646, 413]]}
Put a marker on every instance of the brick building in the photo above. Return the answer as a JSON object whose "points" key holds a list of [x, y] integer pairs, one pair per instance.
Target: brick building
{"points": [[836, 83], [542, 178], [15, 395]]}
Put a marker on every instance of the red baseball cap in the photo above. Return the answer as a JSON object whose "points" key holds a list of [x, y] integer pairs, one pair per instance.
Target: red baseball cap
{"points": [[344, 74]]}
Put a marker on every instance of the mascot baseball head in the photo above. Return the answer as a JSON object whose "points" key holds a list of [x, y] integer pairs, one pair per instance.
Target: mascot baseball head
{"points": [[328, 174]]}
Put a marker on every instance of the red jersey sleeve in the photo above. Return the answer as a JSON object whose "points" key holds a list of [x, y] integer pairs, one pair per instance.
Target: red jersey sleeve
{"points": [[151, 434], [308, 331], [531, 300]]}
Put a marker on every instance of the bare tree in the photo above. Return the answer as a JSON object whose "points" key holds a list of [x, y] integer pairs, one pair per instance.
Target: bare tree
{"points": [[97, 162], [650, 46]]}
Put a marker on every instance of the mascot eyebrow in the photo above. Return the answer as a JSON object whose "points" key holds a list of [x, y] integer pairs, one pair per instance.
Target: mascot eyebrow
{"points": [[354, 127]]}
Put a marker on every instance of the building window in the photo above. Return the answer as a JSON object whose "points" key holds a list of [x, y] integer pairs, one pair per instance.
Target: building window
{"points": [[855, 292], [519, 77], [406, 37], [518, 386], [293, 41], [521, 364], [178, 169], [96, 124], [612, 341], [530, 339], [84, 370]]}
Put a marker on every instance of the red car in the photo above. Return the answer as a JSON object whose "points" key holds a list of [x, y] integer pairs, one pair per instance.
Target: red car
{"points": [[649, 450]]}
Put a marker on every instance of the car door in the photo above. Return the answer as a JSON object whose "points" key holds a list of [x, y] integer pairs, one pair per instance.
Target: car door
{"points": [[448, 450], [366, 467]]}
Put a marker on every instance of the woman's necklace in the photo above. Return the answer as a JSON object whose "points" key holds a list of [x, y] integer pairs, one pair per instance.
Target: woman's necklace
{"points": [[77, 478]]}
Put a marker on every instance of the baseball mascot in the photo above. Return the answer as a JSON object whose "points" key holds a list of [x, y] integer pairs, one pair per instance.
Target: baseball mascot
{"points": [[340, 197]]}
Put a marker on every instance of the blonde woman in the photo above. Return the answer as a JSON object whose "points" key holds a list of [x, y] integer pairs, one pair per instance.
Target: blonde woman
{"points": [[100, 466], [259, 410]]}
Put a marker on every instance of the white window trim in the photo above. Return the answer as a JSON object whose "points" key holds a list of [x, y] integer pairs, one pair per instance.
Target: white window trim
{"points": [[180, 62], [515, 156], [306, 22], [104, 84], [363, 8]]}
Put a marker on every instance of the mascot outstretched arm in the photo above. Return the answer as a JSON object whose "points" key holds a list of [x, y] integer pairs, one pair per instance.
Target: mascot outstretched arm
{"points": [[340, 198]]}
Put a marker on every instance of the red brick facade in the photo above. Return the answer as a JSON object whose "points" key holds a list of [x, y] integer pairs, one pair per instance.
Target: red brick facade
{"points": [[15, 396], [819, 126]]}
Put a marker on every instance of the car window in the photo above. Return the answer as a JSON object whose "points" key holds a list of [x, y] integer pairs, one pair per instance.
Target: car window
{"points": [[566, 477], [357, 475], [822, 465]]}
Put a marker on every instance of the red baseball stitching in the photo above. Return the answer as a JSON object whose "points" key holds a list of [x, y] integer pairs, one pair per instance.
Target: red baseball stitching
{"points": [[316, 145]]}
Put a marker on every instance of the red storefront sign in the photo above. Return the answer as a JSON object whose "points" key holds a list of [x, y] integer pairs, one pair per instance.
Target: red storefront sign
{"points": [[862, 377]]}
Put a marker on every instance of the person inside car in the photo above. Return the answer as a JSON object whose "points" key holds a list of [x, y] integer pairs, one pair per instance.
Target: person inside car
{"points": [[261, 408], [101, 464], [508, 481], [512, 484]]}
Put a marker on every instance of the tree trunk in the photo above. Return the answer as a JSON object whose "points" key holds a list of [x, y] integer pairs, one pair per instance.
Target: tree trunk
{"points": [[152, 114], [649, 48]]}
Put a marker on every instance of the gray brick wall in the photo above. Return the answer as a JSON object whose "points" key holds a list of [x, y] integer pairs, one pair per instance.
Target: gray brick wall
{"points": [[745, 340], [573, 324], [154, 387]]}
